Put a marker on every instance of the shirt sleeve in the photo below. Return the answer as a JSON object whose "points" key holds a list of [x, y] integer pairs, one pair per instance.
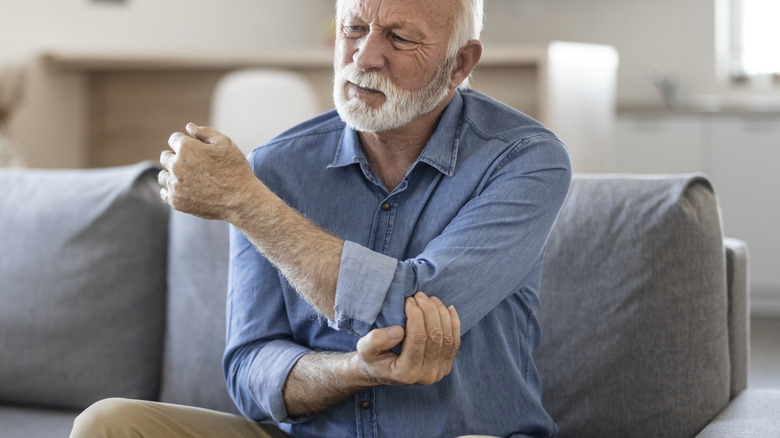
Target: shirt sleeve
{"points": [[483, 255], [364, 278], [268, 375], [256, 367]]}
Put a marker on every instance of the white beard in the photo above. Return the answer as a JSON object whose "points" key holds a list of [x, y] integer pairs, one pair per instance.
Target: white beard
{"points": [[400, 106]]}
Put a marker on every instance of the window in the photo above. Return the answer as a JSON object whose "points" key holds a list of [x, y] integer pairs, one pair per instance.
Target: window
{"points": [[753, 37]]}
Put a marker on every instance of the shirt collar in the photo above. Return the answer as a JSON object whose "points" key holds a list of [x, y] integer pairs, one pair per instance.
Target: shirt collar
{"points": [[441, 152]]}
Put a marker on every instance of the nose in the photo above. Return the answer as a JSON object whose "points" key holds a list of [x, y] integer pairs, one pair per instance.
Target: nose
{"points": [[370, 52]]}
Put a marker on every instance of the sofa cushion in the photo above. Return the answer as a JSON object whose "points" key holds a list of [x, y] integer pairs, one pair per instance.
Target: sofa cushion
{"points": [[83, 285], [752, 414], [634, 309], [20, 422], [195, 335]]}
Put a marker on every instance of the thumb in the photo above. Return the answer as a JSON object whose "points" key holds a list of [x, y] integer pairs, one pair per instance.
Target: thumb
{"points": [[378, 341]]}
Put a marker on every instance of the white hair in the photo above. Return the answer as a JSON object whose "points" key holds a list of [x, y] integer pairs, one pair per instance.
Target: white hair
{"points": [[468, 26]]}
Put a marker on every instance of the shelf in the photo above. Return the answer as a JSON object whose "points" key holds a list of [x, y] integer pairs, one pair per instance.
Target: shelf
{"points": [[129, 103]]}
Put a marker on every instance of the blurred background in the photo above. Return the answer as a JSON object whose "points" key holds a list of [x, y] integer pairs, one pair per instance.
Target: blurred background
{"points": [[681, 86]]}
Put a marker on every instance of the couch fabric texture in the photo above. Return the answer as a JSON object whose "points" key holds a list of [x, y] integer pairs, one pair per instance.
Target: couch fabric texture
{"points": [[83, 295], [645, 345], [197, 293], [107, 293]]}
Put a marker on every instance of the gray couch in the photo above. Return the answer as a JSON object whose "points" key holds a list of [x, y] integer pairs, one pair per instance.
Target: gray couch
{"points": [[104, 292]]}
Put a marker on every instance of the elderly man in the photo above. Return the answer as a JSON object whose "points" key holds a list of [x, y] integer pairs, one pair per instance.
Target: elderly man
{"points": [[413, 184]]}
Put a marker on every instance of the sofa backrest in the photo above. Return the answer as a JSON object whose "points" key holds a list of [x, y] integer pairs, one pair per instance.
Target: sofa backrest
{"points": [[634, 313], [634, 309], [195, 333], [82, 296]]}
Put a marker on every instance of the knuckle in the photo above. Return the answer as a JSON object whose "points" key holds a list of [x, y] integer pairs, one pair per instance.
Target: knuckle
{"points": [[454, 347], [176, 139], [176, 168], [418, 338], [436, 336], [408, 380], [429, 378], [402, 377], [184, 147]]}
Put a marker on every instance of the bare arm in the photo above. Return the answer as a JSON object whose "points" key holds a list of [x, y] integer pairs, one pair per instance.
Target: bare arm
{"points": [[320, 380], [206, 175]]}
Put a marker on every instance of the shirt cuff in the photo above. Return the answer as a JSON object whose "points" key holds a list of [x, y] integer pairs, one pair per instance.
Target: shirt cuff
{"points": [[270, 369], [364, 279]]}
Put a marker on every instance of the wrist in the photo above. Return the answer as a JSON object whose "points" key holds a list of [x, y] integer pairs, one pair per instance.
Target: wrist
{"points": [[249, 204], [362, 374]]}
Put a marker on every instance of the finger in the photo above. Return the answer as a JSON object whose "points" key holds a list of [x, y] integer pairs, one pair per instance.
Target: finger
{"points": [[433, 329], [162, 178], [164, 195], [447, 341], [455, 321], [205, 134], [176, 140], [413, 349], [379, 341], [166, 158], [444, 318]]}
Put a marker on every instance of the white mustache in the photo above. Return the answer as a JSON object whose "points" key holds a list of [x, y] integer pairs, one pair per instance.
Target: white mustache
{"points": [[371, 80]]}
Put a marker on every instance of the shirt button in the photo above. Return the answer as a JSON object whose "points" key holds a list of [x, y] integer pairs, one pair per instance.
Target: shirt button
{"points": [[386, 206], [365, 405]]}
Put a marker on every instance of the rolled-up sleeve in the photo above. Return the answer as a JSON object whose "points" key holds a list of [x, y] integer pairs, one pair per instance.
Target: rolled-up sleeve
{"points": [[481, 257], [260, 352], [365, 277], [268, 374]]}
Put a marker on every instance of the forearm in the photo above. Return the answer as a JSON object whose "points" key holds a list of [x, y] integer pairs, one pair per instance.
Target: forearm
{"points": [[321, 380], [306, 255]]}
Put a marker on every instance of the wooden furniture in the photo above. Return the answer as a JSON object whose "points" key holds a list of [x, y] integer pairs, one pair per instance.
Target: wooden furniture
{"points": [[131, 104]]}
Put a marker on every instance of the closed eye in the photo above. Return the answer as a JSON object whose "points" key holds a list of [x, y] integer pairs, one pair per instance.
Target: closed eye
{"points": [[401, 42], [353, 31]]}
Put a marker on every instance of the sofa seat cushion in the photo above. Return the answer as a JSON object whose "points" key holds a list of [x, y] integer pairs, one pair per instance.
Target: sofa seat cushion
{"points": [[752, 414], [82, 297], [634, 309], [35, 423]]}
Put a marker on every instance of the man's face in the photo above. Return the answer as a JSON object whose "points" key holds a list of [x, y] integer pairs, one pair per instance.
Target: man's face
{"points": [[390, 64]]}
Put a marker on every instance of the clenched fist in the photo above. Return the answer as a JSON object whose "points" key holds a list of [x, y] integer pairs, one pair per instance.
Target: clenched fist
{"points": [[204, 174]]}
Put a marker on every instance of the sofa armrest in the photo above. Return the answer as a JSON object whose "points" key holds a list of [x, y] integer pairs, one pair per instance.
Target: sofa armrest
{"points": [[755, 413], [737, 282]]}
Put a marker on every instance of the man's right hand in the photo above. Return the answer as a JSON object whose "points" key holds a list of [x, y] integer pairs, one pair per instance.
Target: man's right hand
{"points": [[432, 342]]}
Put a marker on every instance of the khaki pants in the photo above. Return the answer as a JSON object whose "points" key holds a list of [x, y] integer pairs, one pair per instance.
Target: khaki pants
{"points": [[116, 417]]}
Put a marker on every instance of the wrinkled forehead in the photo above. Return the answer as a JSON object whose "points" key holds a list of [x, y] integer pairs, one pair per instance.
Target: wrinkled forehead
{"points": [[430, 15]]}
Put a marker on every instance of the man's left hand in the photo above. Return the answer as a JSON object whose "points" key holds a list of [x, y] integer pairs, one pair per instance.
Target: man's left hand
{"points": [[204, 174], [432, 340]]}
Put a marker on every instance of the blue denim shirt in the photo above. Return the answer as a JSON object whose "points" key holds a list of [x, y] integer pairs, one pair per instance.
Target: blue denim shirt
{"points": [[468, 224]]}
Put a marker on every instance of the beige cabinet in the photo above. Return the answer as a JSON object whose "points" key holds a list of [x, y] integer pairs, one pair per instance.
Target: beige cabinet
{"points": [[121, 108]]}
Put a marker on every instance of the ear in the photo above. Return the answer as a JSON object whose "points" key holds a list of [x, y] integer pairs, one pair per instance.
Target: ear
{"points": [[465, 60]]}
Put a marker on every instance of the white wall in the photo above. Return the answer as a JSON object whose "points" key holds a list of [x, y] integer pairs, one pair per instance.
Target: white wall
{"points": [[199, 27], [190, 26], [678, 35]]}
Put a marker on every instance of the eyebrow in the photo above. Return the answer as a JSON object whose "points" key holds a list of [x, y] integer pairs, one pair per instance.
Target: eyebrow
{"points": [[405, 25]]}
